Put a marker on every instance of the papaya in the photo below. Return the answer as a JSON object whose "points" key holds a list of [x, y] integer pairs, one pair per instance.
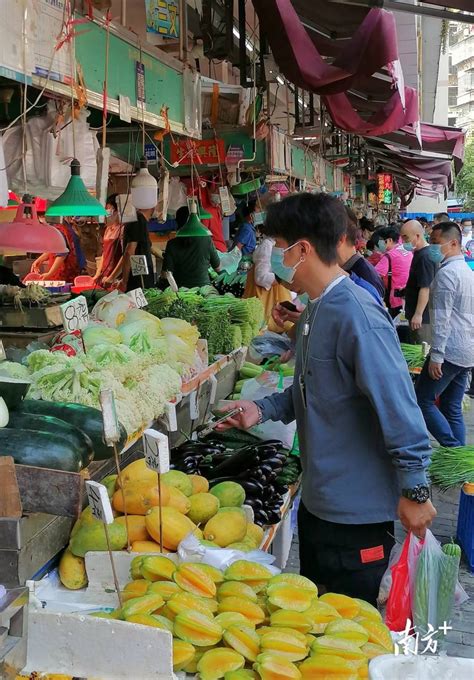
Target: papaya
{"points": [[197, 628], [244, 640], [72, 571], [191, 578], [241, 545], [332, 646], [249, 609], [215, 574], [346, 606], [276, 667], [145, 547], [183, 602], [136, 527], [135, 567], [228, 525], [255, 534], [323, 666], [286, 618], [110, 483], [139, 497], [235, 589], [200, 484], [203, 506], [229, 494], [135, 588], [92, 537], [146, 604], [176, 526], [295, 580], [215, 663], [183, 654], [150, 620], [243, 570], [228, 619], [284, 644], [347, 630], [157, 568], [289, 596], [378, 633], [178, 500], [164, 588], [179, 480]]}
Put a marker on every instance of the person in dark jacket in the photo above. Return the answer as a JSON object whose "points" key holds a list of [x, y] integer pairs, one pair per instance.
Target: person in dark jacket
{"points": [[351, 261]]}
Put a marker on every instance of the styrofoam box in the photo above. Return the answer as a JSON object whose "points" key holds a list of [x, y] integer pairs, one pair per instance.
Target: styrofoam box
{"points": [[421, 668]]}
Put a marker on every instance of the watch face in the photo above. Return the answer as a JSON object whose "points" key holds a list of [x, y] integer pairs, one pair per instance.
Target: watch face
{"points": [[422, 494]]}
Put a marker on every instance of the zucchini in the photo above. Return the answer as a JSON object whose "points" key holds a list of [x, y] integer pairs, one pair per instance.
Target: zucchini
{"points": [[78, 439], [41, 449], [87, 419]]}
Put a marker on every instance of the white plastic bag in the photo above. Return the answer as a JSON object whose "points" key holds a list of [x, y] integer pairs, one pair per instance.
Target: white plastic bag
{"points": [[177, 196], [191, 550], [229, 262], [265, 385]]}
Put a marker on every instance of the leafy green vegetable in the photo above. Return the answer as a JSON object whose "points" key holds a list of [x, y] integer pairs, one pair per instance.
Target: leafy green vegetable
{"points": [[451, 467]]}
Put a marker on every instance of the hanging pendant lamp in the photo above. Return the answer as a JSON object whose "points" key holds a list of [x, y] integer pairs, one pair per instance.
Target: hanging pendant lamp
{"points": [[144, 188], [75, 199], [27, 234], [203, 214], [193, 226]]}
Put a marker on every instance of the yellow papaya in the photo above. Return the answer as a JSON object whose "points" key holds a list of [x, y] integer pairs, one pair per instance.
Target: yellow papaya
{"points": [[176, 526], [200, 484], [157, 568], [138, 471], [136, 527], [178, 500], [183, 654], [346, 606], [289, 596], [347, 630], [72, 571], [244, 640], [290, 619], [203, 506], [91, 537], [146, 604], [227, 526], [197, 629], [164, 588], [215, 663], [191, 578], [236, 589], [110, 483], [337, 647], [138, 497], [249, 609], [324, 666], [276, 667], [255, 533], [284, 644], [179, 480], [145, 547]]}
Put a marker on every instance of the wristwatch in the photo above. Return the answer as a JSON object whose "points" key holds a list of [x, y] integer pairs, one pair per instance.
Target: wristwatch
{"points": [[419, 493], [260, 415]]}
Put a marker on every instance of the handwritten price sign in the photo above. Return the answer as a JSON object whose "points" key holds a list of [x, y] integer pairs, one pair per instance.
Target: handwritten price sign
{"points": [[156, 449], [109, 417], [99, 502], [139, 265], [138, 298], [75, 314]]}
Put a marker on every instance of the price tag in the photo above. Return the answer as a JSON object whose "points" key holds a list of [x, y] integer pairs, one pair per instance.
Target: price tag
{"points": [[139, 265], [171, 280], [212, 396], [156, 449], [74, 314], [138, 297], [172, 419], [193, 406], [3, 356], [109, 417], [225, 201], [124, 109], [99, 501]]}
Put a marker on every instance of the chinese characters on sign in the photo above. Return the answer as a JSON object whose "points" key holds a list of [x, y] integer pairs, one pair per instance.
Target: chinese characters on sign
{"points": [[205, 152], [162, 18], [385, 188], [75, 314], [409, 642]]}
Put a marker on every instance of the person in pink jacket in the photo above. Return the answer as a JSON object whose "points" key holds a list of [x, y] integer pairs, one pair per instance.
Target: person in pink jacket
{"points": [[393, 267]]}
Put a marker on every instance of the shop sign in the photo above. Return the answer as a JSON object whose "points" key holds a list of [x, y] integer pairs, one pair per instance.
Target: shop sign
{"points": [[205, 152], [162, 18], [385, 188], [150, 152]]}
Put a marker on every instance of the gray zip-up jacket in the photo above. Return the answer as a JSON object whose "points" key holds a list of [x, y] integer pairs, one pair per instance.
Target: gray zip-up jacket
{"points": [[362, 436]]}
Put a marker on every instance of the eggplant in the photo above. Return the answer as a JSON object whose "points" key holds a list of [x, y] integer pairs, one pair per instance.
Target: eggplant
{"points": [[275, 463], [274, 518], [251, 487], [256, 503], [238, 461]]}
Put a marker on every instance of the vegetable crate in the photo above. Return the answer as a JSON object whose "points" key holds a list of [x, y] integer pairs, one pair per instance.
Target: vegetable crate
{"points": [[465, 530]]}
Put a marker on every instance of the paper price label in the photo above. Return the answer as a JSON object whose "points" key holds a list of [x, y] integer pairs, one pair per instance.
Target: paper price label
{"points": [[212, 396], [193, 406], [172, 418], [139, 265], [124, 109], [74, 314], [99, 501], [138, 298], [225, 200], [3, 356], [109, 417], [156, 450]]}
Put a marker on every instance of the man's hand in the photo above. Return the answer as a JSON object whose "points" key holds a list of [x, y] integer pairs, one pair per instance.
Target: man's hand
{"points": [[244, 420], [281, 315], [416, 517], [435, 371], [416, 322]]}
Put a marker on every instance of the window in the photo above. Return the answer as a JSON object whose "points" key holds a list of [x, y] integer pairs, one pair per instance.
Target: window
{"points": [[452, 95]]}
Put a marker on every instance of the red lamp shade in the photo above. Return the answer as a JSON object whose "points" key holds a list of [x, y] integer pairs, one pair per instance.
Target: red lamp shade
{"points": [[26, 233]]}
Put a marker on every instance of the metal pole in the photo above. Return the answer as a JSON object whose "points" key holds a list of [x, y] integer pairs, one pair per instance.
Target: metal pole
{"points": [[123, 13], [242, 46]]}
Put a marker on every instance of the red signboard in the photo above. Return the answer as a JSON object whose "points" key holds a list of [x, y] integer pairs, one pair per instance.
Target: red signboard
{"points": [[205, 152]]}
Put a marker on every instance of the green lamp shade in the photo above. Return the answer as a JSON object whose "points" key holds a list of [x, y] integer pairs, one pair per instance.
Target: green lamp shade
{"points": [[203, 214], [193, 227], [75, 199]]}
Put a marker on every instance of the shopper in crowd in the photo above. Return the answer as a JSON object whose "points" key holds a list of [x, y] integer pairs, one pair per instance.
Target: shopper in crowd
{"points": [[136, 241], [445, 373], [110, 263], [467, 241], [63, 266], [349, 420], [440, 217], [417, 289], [246, 237], [394, 268], [351, 261], [191, 253]]}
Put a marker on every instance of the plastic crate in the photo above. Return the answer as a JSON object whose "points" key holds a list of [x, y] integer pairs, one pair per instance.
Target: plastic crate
{"points": [[465, 530]]}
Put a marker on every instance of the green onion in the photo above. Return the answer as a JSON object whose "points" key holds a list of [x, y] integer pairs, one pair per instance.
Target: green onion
{"points": [[452, 467]]}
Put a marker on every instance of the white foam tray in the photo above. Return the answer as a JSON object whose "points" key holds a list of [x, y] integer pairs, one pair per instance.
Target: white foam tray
{"points": [[421, 668]]}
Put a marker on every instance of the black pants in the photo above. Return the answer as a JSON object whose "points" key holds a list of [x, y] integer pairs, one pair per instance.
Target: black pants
{"points": [[344, 558]]}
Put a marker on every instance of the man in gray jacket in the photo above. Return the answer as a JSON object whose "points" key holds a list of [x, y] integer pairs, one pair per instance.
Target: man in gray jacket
{"points": [[364, 445]]}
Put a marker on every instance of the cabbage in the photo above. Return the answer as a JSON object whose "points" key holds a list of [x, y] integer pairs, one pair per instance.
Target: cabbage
{"points": [[180, 349], [14, 370], [183, 329], [43, 357], [140, 315], [112, 309], [104, 355], [128, 330], [100, 335]]}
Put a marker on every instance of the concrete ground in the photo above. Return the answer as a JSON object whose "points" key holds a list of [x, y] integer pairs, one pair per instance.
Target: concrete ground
{"points": [[461, 638]]}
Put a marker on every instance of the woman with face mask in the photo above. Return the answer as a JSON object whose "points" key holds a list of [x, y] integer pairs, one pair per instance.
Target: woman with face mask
{"points": [[110, 264], [394, 267]]}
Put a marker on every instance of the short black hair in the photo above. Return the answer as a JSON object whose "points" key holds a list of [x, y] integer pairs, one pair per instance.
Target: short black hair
{"points": [[388, 232], [367, 224], [449, 229], [181, 216], [248, 209], [112, 200], [466, 219], [422, 220], [442, 215], [353, 230], [321, 219]]}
